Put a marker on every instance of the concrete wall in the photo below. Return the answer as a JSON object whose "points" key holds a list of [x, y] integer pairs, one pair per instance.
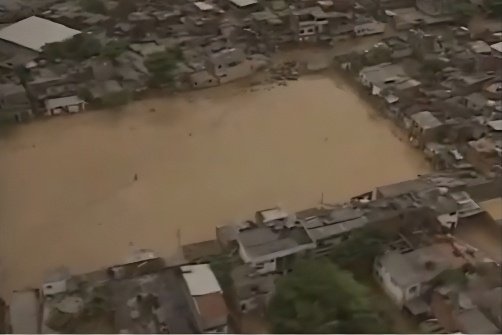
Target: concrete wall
{"points": [[396, 293], [241, 70], [369, 28]]}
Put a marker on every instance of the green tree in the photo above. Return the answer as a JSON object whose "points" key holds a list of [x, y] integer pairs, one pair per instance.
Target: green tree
{"points": [[79, 47], [93, 6], [494, 7], [359, 250], [319, 297], [113, 49], [463, 11], [161, 66]]}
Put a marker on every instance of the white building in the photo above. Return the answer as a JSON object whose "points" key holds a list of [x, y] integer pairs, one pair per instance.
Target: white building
{"points": [[406, 276], [210, 308], [70, 105], [263, 246]]}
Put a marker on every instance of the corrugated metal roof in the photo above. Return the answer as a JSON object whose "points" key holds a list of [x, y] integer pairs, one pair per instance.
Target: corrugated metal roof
{"points": [[200, 279], [35, 32]]}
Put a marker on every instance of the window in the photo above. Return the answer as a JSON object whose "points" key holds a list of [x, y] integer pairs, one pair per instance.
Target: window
{"points": [[413, 290]]}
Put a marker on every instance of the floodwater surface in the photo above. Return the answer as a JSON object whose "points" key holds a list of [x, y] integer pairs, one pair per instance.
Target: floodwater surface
{"points": [[68, 194]]}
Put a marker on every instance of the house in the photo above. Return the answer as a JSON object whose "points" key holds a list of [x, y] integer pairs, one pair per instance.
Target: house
{"points": [[378, 77], [24, 312], [497, 49], [425, 127], [474, 307], [399, 48], [332, 228], [33, 33], [404, 187], [245, 6], [271, 27], [484, 154], [143, 295], [14, 103], [493, 90], [455, 312], [251, 290], [364, 26], [268, 246], [202, 79], [340, 25], [479, 47], [476, 101], [309, 24], [462, 85], [70, 105], [466, 205], [410, 17], [445, 156], [101, 91], [424, 43], [210, 308], [483, 57], [407, 276]]}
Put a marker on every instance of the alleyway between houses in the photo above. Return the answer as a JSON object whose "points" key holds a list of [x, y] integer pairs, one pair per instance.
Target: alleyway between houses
{"points": [[83, 191]]}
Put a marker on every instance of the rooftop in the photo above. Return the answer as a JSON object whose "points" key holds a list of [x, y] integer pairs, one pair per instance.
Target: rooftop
{"points": [[420, 265], [426, 120], [200, 279], [244, 3], [480, 47], [272, 214], [259, 242], [35, 32], [403, 187], [203, 6], [62, 102], [497, 47]]}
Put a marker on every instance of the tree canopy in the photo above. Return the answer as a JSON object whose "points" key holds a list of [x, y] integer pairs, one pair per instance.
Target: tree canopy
{"points": [[319, 297], [79, 47], [161, 66], [93, 6], [360, 249], [113, 49]]}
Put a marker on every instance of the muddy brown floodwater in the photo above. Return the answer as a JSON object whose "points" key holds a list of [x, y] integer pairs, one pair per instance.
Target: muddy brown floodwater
{"points": [[68, 194]]}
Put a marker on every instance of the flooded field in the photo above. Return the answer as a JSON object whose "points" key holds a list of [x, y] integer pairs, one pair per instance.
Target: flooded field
{"points": [[68, 194]]}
